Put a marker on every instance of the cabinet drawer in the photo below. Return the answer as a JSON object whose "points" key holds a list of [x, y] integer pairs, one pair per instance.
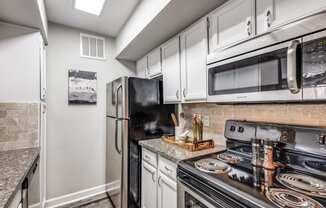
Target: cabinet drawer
{"points": [[167, 167], [149, 157]]}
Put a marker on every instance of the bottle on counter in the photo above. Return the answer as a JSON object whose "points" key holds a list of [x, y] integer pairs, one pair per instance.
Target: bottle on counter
{"points": [[256, 156], [194, 127], [200, 126], [268, 155]]}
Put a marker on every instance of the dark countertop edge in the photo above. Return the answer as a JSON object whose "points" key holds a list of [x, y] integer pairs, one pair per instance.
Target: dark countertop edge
{"points": [[18, 186], [173, 159]]}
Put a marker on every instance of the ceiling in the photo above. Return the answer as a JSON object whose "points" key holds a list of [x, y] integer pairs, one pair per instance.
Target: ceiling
{"points": [[175, 17], [114, 15]]}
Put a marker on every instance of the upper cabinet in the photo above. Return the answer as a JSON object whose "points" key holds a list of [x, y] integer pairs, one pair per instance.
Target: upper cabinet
{"points": [[171, 71], [154, 67], [194, 49], [231, 23], [273, 13], [141, 67]]}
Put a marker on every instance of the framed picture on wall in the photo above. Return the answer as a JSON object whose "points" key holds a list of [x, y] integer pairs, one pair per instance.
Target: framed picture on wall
{"points": [[82, 87]]}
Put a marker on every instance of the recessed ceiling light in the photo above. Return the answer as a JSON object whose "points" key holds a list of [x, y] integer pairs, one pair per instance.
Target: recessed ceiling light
{"points": [[90, 6]]}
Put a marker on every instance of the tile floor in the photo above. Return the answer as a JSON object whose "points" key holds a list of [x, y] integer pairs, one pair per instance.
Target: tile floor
{"points": [[99, 201]]}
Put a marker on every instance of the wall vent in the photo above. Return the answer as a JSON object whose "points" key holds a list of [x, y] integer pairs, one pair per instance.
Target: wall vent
{"points": [[92, 46]]}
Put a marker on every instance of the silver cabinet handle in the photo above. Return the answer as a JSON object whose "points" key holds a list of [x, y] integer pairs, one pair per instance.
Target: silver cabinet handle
{"points": [[117, 119], [292, 67], [269, 18], [153, 177], [177, 94], [184, 92], [249, 28]]}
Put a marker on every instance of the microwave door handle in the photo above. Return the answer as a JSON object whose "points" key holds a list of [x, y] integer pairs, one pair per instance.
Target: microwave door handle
{"points": [[292, 67], [117, 118]]}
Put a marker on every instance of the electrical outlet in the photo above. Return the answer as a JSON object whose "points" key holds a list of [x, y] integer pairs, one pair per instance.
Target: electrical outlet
{"points": [[206, 121]]}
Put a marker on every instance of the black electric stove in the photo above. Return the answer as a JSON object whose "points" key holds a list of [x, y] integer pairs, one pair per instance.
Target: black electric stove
{"points": [[228, 179]]}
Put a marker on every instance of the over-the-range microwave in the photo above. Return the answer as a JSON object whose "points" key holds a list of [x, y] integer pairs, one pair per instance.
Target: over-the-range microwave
{"points": [[288, 66]]}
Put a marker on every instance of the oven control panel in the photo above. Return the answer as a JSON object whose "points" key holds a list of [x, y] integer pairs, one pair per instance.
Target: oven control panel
{"points": [[239, 130]]}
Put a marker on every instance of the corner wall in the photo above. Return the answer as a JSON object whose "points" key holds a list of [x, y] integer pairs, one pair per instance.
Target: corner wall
{"points": [[76, 134]]}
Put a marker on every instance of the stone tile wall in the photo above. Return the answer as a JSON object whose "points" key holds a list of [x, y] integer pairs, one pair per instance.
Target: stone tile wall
{"points": [[300, 114], [19, 124]]}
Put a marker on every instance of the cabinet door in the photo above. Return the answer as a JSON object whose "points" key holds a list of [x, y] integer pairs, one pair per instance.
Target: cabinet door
{"points": [[167, 192], [273, 13], [194, 50], [141, 67], [149, 188], [231, 23], [154, 63], [171, 70]]}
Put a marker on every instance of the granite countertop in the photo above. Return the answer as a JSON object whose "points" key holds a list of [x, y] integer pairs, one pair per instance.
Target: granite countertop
{"points": [[173, 152], [14, 167]]}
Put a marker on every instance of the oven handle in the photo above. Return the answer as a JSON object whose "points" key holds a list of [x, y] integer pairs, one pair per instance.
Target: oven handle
{"points": [[292, 67]]}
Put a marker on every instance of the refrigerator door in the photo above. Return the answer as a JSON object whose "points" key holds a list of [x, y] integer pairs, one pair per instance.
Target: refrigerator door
{"points": [[117, 136], [117, 98], [117, 156]]}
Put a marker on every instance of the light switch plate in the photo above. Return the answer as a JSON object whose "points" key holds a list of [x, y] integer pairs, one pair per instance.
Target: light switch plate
{"points": [[206, 121]]}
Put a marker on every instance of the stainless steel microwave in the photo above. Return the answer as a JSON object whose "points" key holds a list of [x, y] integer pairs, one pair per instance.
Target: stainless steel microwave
{"points": [[291, 70]]}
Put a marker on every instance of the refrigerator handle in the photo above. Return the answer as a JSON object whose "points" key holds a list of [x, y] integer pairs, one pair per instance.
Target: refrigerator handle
{"points": [[117, 117]]}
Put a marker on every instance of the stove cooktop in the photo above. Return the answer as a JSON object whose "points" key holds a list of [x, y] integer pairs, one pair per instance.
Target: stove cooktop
{"points": [[234, 175]]}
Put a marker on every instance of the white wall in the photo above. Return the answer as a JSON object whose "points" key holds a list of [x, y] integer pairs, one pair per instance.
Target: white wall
{"points": [[19, 64], [145, 12], [76, 133]]}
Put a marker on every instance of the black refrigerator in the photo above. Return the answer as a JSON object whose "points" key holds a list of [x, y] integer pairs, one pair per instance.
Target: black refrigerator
{"points": [[135, 111]]}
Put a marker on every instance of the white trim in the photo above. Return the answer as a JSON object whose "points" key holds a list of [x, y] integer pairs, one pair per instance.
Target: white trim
{"points": [[113, 188]]}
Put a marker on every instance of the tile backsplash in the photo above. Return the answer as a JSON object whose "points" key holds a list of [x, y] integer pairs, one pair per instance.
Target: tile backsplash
{"points": [[299, 114], [19, 124]]}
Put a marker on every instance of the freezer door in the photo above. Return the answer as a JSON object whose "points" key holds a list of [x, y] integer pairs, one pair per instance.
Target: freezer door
{"points": [[117, 98]]}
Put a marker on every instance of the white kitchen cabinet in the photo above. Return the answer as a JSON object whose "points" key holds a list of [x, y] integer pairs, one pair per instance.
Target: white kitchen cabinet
{"points": [[171, 70], [149, 186], [141, 67], [231, 23], [159, 186], [274, 13], [154, 67], [194, 49], [167, 192]]}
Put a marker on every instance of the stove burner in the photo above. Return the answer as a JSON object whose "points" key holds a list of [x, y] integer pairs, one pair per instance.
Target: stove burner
{"points": [[304, 184], [316, 165], [289, 199], [210, 165], [229, 158]]}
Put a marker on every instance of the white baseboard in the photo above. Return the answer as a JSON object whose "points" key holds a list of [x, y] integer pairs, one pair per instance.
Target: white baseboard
{"points": [[37, 205], [112, 188]]}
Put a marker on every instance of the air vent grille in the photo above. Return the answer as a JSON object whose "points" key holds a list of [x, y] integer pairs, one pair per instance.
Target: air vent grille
{"points": [[92, 46]]}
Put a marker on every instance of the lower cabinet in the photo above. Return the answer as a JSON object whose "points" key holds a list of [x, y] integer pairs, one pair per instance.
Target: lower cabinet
{"points": [[159, 186], [149, 184], [167, 192]]}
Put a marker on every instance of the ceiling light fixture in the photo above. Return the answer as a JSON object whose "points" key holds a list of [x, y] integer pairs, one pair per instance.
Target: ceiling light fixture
{"points": [[94, 7]]}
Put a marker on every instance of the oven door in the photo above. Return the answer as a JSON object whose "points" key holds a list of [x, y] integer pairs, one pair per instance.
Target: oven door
{"points": [[314, 66], [187, 198], [269, 74]]}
